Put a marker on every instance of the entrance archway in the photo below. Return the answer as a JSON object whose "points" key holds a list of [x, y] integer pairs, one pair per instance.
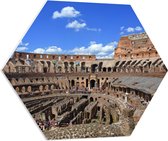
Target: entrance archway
{"points": [[92, 84]]}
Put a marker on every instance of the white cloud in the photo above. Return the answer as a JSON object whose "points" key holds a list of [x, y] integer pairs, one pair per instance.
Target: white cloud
{"points": [[66, 12], [133, 29], [94, 29], [122, 27], [71, 12], [121, 33], [22, 46], [107, 56], [100, 50], [49, 50], [102, 54], [53, 49], [138, 28], [39, 50], [21, 49], [92, 42], [76, 25], [130, 29]]}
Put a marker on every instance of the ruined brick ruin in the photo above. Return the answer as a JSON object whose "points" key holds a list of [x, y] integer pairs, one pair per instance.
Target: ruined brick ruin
{"points": [[73, 96]]}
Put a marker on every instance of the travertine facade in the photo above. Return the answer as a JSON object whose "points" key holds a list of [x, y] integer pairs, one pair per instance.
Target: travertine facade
{"points": [[135, 47]]}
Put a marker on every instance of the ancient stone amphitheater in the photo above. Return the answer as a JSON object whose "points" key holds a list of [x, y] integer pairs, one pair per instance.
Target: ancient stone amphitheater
{"points": [[72, 96]]}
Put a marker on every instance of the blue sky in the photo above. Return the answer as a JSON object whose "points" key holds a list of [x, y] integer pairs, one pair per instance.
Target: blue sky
{"points": [[80, 28]]}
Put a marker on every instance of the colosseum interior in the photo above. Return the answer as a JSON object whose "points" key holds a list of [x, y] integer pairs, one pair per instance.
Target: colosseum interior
{"points": [[72, 96]]}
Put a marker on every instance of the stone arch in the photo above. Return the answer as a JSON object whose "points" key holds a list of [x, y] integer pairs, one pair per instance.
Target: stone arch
{"points": [[27, 80], [149, 64], [13, 81], [104, 69], [147, 98], [109, 69], [45, 80], [72, 83], [38, 66], [29, 89], [45, 69], [11, 67], [83, 66], [40, 88], [20, 81], [66, 66], [17, 89], [94, 68], [114, 69], [23, 90], [92, 83], [46, 87], [45, 66], [52, 87], [71, 101], [91, 99]]}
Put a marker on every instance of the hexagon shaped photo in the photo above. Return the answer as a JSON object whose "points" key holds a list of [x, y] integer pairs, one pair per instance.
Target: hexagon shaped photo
{"points": [[85, 70]]}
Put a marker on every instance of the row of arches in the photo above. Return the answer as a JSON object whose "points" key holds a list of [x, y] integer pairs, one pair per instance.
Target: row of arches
{"points": [[134, 65], [120, 92], [140, 66], [30, 89]]}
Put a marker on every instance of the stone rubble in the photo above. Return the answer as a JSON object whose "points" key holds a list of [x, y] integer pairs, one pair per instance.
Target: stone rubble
{"points": [[83, 131]]}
